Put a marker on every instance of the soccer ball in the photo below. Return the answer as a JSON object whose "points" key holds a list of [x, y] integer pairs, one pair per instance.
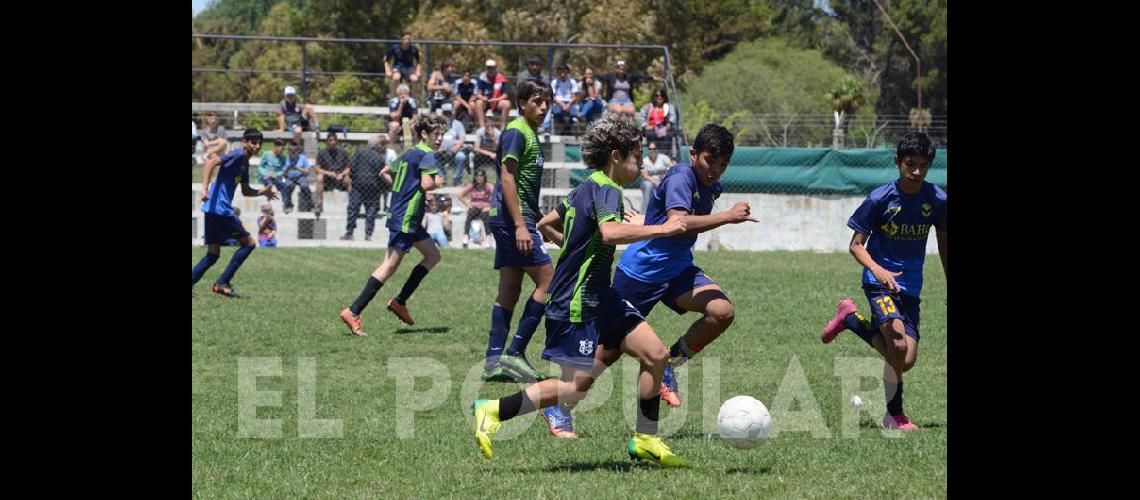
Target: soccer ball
{"points": [[743, 422]]}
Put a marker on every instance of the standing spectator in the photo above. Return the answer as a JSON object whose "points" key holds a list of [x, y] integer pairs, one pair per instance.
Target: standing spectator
{"points": [[441, 85], [486, 143], [590, 89], [492, 95], [266, 226], [477, 198], [533, 71], [364, 173], [401, 106], [271, 170], [619, 89], [464, 97], [212, 138], [436, 221], [453, 151], [654, 167], [297, 168], [402, 62], [659, 119], [564, 109], [332, 170], [295, 117]]}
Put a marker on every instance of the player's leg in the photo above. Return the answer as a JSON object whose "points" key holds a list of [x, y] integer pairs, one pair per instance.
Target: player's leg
{"points": [[248, 244], [515, 360], [431, 257], [642, 343], [213, 251], [510, 287], [351, 314], [703, 295]]}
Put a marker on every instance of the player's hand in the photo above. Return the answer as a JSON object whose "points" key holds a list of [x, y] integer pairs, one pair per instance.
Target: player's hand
{"points": [[270, 193], [522, 240], [632, 216], [205, 195], [887, 279], [674, 226], [741, 212]]}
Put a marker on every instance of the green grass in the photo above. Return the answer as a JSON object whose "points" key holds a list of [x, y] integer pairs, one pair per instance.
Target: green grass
{"points": [[782, 299]]}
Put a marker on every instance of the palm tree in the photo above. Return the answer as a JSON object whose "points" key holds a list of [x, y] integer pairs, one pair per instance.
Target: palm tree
{"points": [[846, 98]]}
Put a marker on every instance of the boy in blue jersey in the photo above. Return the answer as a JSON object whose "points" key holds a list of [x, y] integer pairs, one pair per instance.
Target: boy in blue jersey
{"points": [[588, 325], [415, 173], [891, 229], [221, 222], [662, 270], [511, 220]]}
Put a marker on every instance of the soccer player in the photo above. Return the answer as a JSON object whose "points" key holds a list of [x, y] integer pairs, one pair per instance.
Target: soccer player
{"points": [[891, 229], [415, 172], [518, 247], [221, 222], [588, 325], [662, 270]]}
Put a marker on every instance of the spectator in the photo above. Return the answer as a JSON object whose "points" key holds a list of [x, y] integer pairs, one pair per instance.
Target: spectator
{"points": [[294, 117], [486, 143], [212, 137], [653, 170], [533, 71], [590, 89], [297, 168], [266, 226], [492, 95], [659, 119], [271, 169], [477, 198], [465, 97], [402, 63], [400, 107], [564, 109], [364, 173], [441, 85], [619, 89], [453, 151], [332, 170], [436, 220], [390, 157]]}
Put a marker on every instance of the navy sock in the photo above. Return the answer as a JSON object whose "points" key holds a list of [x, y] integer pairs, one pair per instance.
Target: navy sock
{"points": [[500, 326], [413, 282], [514, 405], [235, 263], [528, 323], [647, 415], [857, 323], [199, 269], [894, 396], [366, 295], [681, 351]]}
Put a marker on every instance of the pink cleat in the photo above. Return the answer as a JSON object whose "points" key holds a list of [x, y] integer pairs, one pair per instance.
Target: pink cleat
{"points": [[833, 327], [899, 422]]}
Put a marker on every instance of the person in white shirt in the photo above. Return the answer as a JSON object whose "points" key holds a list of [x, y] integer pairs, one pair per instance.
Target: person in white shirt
{"points": [[655, 166]]}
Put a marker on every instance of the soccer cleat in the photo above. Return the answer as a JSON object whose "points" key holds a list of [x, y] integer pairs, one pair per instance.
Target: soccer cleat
{"points": [[669, 392], [486, 424], [226, 290], [401, 311], [559, 421], [519, 368], [354, 323], [652, 448], [836, 325], [496, 374], [899, 422]]}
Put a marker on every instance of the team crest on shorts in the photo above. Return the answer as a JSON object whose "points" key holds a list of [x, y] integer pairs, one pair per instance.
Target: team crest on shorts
{"points": [[586, 347]]}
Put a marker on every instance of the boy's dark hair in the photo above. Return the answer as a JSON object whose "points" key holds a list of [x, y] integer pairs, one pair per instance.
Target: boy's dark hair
{"points": [[278, 142], [252, 134], [715, 139], [429, 124], [612, 132], [915, 143], [530, 88], [293, 143]]}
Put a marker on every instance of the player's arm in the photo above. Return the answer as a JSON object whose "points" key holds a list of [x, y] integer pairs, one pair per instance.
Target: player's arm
{"points": [[207, 172], [616, 233], [511, 200], [858, 249], [549, 226], [266, 191], [386, 174], [430, 182], [696, 224]]}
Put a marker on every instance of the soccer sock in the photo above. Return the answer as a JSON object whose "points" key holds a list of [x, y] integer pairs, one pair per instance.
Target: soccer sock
{"points": [[647, 415], [235, 263], [857, 323], [500, 326], [531, 316], [514, 405], [413, 282], [682, 351], [366, 295], [894, 396], [199, 269]]}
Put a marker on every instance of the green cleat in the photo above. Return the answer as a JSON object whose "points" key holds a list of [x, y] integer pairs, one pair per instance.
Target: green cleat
{"points": [[486, 424], [652, 448], [520, 369]]}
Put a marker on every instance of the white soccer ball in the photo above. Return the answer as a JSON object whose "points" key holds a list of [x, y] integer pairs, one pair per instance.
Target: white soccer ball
{"points": [[743, 422], [856, 401]]}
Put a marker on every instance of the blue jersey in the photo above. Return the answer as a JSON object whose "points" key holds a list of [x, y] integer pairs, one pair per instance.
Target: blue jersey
{"points": [[899, 225], [519, 143], [580, 290], [233, 171], [659, 260], [407, 193]]}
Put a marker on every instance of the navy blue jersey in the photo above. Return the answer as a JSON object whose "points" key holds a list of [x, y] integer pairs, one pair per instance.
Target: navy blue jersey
{"points": [[407, 193], [401, 57], [232, 172], [519, 143], [580, 289], [899, 225]]}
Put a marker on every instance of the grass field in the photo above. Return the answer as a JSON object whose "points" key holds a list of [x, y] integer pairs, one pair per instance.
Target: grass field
{"points": [[782, 300]]}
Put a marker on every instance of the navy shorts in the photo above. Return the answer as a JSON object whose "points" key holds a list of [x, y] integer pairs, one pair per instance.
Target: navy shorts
{"points": [[575, 344], [221, 228], [507, 253], [644, 295], [405, 241], [886, 306]]}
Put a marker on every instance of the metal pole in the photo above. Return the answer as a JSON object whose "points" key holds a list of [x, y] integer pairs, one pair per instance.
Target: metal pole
{"points": [[304, 74], [550, 58]]}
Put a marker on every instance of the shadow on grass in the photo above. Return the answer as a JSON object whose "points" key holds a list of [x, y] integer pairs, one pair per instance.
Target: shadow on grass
{"points": [[610, 465], [432, 329], [869, 424], [763, 469]]}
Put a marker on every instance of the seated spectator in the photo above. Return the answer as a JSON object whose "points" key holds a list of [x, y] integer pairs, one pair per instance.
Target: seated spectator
{"points": [[364, 172], [619, 89], [266, 226], [212, 138], [271, 170], [477, 235], [533, 71], [400, 107], [659, 119], [402, 63], [435, 221], [486, 142], [332, 170], [294, 117], [390, 158], [477, 198], [564, 107], [492, 95], [297, 168], [590, 91], [464, 97], [441, 85], [453, 151], [653, 170]]}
